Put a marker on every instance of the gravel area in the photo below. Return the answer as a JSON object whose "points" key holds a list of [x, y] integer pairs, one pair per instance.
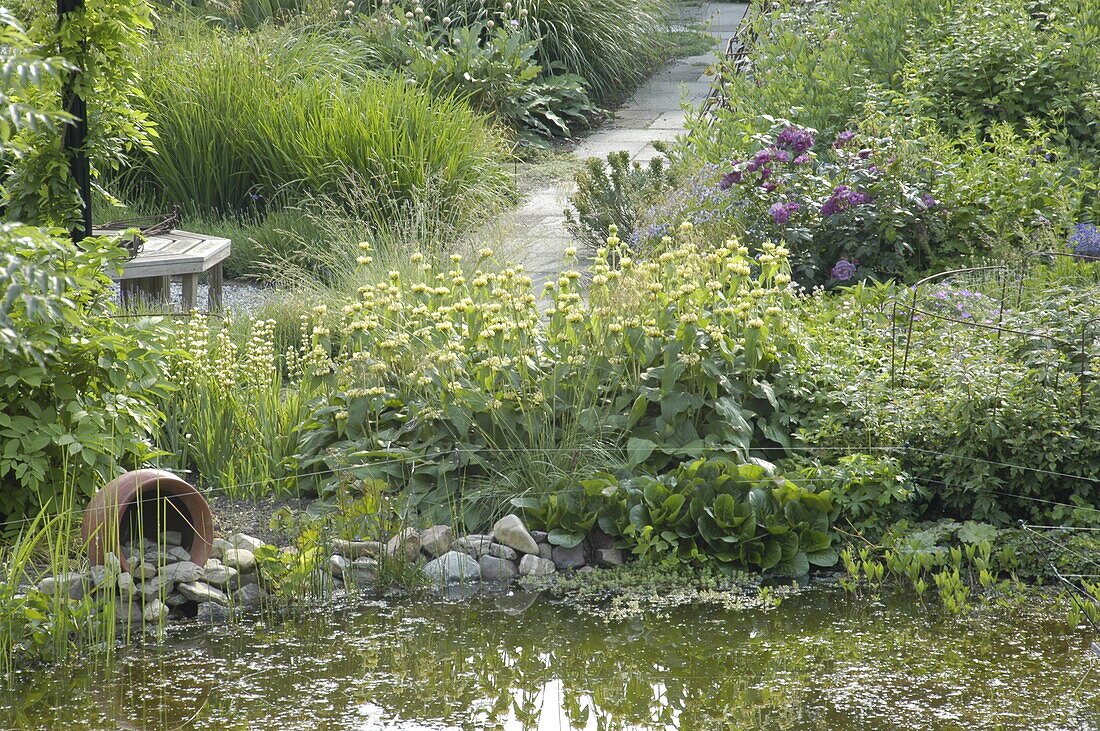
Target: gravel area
{"points": [[250, 515], [239, 296]]}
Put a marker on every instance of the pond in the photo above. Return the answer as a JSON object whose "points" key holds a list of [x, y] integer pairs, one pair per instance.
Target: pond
{"points": [[820, 660]]}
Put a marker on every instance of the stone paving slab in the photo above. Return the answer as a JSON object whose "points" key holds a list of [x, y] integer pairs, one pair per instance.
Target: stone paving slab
{"points": [[655, 112]]}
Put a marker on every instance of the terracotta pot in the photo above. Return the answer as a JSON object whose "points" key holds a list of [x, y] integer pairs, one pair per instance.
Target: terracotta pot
{"points": [[145, 503]]}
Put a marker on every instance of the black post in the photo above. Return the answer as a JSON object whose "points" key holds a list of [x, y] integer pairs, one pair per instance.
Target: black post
{"points": [[75, 137]]}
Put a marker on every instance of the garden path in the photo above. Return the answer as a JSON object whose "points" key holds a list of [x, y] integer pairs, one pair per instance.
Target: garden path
{"points": [[535, 234]]}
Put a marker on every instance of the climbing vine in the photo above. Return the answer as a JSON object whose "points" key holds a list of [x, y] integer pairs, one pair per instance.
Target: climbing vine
{"points": [[97, 42]]}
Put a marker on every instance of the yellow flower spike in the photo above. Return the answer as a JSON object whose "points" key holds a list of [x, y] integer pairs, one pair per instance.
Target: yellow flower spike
{"points": [[686, 226], [485, 252], [365, 245]]}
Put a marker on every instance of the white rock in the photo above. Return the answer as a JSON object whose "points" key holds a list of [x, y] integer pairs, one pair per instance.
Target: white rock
{"points": [[153, 587], [172, 538], [452, 567], [241, 559], [198, 591], [219, 546], [361, 572], [609, 557], [71, 584], [143, 571], [531, 565], [511, 531], [337, 565], [247, 542]]}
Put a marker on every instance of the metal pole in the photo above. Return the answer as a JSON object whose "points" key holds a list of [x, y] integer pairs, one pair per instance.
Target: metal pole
{"points": [[75, 136]]}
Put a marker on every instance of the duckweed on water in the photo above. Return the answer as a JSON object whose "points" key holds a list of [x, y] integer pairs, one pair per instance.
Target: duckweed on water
{"points": [[819, 660]]}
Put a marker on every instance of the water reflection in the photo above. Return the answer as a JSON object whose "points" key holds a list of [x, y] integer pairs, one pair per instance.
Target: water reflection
{"points": [[819, 661]]}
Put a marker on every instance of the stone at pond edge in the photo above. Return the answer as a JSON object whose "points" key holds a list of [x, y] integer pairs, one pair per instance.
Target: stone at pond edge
{"points": [[218, 547], [249, 595], [511, 531], [143, 571], [241, 559], [494, 568], [501, 551], [152, 587], [128, 612], [71, 583], [451, 567], [406, 544], [609, 557], [473, 545], [200, 592], [568, 558], [598, 539], [531, 565], [155, 611], [172, 538], [247, 542], [540, 536], [183, 571], [125, 583], [358, 549], [361, 572], [218, 575], [546, 551], [212, 612], [437, 540], [175, 599], [337, 564]]}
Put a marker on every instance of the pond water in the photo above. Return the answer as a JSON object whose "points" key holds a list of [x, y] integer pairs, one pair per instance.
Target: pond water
{"points": [[820, 660]]}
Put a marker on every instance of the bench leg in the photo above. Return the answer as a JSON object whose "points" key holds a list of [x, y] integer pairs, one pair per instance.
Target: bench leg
{"points": [[146, 291], [190, 291], [216, 288]]}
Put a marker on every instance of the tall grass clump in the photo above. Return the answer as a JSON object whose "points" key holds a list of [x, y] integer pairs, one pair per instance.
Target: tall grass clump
{"points": [[230, 421], [612, 44], [252, 120]]}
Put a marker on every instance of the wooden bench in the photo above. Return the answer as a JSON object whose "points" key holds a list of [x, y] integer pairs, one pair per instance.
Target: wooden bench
{"points": [[148, 275]]}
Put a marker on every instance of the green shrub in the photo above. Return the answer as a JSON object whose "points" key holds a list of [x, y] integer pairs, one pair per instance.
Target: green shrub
{"points": [[613, 194], [702, 511], [988, 427], [490, 64], [78, 384], [611, 44], [1009, 61], [251, 120]]}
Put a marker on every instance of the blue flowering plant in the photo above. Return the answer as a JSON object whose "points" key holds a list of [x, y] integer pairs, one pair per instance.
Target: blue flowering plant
{"points": [[1084, 241]]}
